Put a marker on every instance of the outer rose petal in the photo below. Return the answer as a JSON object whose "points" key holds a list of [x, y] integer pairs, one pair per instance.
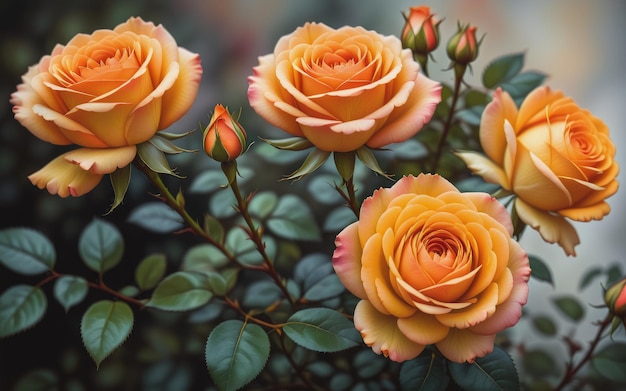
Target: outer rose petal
{"points": [[381, 333], [485, 167], [64, 178], [501, 108], [102, 161], [552, 228], [464, 346], [347, 260], [422, 328]]}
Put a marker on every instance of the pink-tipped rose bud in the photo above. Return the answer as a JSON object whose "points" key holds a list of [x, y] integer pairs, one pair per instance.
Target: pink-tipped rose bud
{"points": [[421, 30], [463, 47], [224, 139], [615, 298]]}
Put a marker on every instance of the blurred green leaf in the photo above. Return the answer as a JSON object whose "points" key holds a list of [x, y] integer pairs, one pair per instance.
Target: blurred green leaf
{"points": [[70, 290], [544, 325], [214, 228], [105, 326], [203, 258], [263, 204], [589, 276], [207, 182], [570, 306], [410, 149], [322, 330], [236, 352], [368, 364], [150, 271], [221, 204], [322, 188], [181, 291], [502, 69], [293, 219], [611, 361], [156, 217], [522, 84], [540, 270], [538, 363], [101, 246], [427, 372], [26, 251], [38, 380], [311, 269], [495, 371], [239, 243], [261, 294], [21, 307], [326, 288], [338, 219], [221, 282], [614, 274], [476, 98]]}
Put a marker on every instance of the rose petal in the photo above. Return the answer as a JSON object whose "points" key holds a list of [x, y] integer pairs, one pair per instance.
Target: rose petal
{"points": [[102, 161], [474, 314], [464, 346], [502, 108], [423, 329], [64, 178], [485, 167], [347, 260]]}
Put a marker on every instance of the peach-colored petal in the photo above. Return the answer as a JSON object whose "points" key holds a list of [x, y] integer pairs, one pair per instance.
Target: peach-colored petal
{"points": [[491, 206], [502, 108], [382, 334], [552, 228], [464, 346], [102, 161], [485, 167], [422, 328], [347, 260], [534, 105], [474, 314], [74, 131], [64, 178], [588, 213]]}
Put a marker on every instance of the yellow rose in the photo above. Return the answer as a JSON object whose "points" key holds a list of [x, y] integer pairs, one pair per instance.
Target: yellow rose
{"points": [[556, 157], [432, 265], [106, 92], [342, 89]]}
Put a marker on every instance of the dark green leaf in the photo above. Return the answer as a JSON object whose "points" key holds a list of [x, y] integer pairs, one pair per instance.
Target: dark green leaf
{"points": [[322, 188], [322, 330], [522, 84], [311, 269], [589, 276], [156, 217], [476, 98], [101, 246], [538, 363], [26, 251], [411, 149], [368, 364], [293, 219], [540, 270], [570, 306], [181, 291], [150, 271], [427, 372], [611, 361], [544, 325], [327, 287], [495, 371], [38, 380], [120, 179], [221, 204], [236, 352], [614, 274], [502, 69], [261, 294], [21, 306], [70, 290], [105, 326]]}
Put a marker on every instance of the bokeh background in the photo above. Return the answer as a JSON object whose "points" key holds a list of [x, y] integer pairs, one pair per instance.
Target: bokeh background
{"points": [[580, 44]]}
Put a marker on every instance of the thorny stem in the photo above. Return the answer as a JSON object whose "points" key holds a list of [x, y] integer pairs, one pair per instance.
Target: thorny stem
{"points": [[458, 79], [570, 369], [350, 196], [254, 232]]}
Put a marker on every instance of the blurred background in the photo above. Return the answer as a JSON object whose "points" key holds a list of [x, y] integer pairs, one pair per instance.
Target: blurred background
{"points": [[578, 43]]}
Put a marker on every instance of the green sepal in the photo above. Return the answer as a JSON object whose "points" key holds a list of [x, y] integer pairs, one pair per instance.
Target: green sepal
{"points": [[174, 136], [617, 321], [290, 144], [230, 171], [154, 159], [120, 179], [164, 145], [313, 161], [369, 160], [344, 162]]}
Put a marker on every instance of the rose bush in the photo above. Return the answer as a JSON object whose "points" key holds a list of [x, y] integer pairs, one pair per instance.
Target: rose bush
{"points": [[557, 158], [432, 265], [342, 89], [105, 92]]}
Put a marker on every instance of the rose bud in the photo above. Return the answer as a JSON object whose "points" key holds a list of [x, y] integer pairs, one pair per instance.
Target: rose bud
{"points": [[224, 139], [421, 31], [615, 298], [463, 47]]}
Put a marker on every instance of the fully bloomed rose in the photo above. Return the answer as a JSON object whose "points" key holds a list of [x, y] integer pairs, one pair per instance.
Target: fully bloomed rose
{"points": [[557, 158], [432, 265], [342, 89], [105, 92]]}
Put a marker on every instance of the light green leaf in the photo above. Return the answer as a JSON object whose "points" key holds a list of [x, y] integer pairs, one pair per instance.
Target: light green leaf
{"points": [[105, 326], [611, 361], [120, 179], [236, 352], [322, 330], [181, 291], [293, 219], [427, 372], [207, 182], [21, 306], [221, 204], [150, 271], [203, 258], [214, 228], [70, 290], [263, 204], [570, 306], [502, 69], [26, 251], [540, 270], [101, 246], [156, 217], [495, 371]]}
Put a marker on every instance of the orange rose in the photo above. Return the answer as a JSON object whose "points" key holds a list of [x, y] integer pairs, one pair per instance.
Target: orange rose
{"points": [[106, 92], [556, 157], [432, 265], [224, 138], [421, 30], [342, 89]]}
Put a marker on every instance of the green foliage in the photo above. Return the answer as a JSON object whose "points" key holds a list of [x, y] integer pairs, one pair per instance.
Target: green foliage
{"points": [[101, 246], [610, 362], [150, 271], [26, 251], [544, 325], [235, 353], [538, 363], [427, 372], [540, 270], [570, 306], [181, 291], [321, 330], [502, 69], [70, 290], [292, 219], [21, 306], [495, 371], [105, 326], [156, 217]]}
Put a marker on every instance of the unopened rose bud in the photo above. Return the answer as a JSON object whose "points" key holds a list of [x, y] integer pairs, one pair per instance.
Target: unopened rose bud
{"points": [[615, 298], [421, 31], [463, 47], [224, 139]]}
